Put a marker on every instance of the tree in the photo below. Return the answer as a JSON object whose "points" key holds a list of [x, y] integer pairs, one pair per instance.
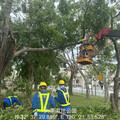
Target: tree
{"points": [[105, 66], [113, 23], [41, 31], [68, 57], [7, 48], [29, 67], [69, 60]]}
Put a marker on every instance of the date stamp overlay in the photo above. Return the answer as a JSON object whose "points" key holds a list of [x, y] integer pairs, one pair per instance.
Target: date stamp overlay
{"points": [[74, 115]]}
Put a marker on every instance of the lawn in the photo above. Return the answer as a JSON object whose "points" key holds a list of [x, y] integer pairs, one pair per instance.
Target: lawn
{"points": [[79, 100]]}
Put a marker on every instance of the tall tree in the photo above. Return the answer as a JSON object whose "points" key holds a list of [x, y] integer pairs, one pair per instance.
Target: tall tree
{"points": [[68, 57], [68, 60], [7, 40]]}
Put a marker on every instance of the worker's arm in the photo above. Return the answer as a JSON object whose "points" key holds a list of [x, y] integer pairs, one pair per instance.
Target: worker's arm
{"points": [[52, 102], [17, 101], [34, 102], [58, 98]]}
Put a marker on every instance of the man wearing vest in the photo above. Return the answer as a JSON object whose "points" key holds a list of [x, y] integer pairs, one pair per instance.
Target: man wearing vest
{"points": [[10, 100], [41, 102], [64, 100]]}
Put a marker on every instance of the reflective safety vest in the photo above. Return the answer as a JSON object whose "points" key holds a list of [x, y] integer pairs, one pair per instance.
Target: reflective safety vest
{"points": [[43, 107], [9, 97], [66, 94]]}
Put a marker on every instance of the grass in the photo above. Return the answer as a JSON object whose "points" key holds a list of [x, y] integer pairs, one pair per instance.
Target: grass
{"points": [[79, 100], [86, 107]]}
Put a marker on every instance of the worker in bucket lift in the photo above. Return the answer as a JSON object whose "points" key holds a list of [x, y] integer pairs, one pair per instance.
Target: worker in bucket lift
{"points": [[10, 101], [41, 102], [64, 100], [84, 47]]}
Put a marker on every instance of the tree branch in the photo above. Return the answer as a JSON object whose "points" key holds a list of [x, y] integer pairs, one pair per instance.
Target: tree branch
{"points": [[94, 67], [116, 15], [43, 49], [63, 59]]}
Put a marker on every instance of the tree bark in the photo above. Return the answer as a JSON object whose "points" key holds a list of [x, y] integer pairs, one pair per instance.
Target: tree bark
{"points": [[87, 90], [91, 89], [116, 78], [6, 48], [70, 83], [112, 102], [86, 85], [106, 85], [116, 92], [95, 88], [31, 74]]}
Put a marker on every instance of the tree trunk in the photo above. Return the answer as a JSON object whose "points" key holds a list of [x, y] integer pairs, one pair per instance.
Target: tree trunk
{"points": [[95, 88], [116, 78], [86, 85], [91, 89], [112, 102], [36, 87], [106, 92], [116, 92], [6, 48], [31, 74], [87, 90], [70, 83]]}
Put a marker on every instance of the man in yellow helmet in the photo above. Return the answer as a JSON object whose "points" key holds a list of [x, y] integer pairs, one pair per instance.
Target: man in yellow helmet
{"points": [[64, 100], [42, 101], [11, 100]]}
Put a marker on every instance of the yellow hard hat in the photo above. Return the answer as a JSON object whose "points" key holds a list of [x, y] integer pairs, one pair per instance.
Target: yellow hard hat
{"points": [[83, 39], [15, 96], [43, 84], [61, 82]]}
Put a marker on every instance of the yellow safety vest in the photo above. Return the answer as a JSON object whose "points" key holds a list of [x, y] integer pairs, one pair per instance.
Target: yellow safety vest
{"points": [[43, 107], [65, 94], [9, 97]]}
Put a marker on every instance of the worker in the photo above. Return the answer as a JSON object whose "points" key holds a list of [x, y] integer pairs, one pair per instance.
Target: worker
{"points": [[41, 102], [10, 101], [64, 100], [83, 48]]}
